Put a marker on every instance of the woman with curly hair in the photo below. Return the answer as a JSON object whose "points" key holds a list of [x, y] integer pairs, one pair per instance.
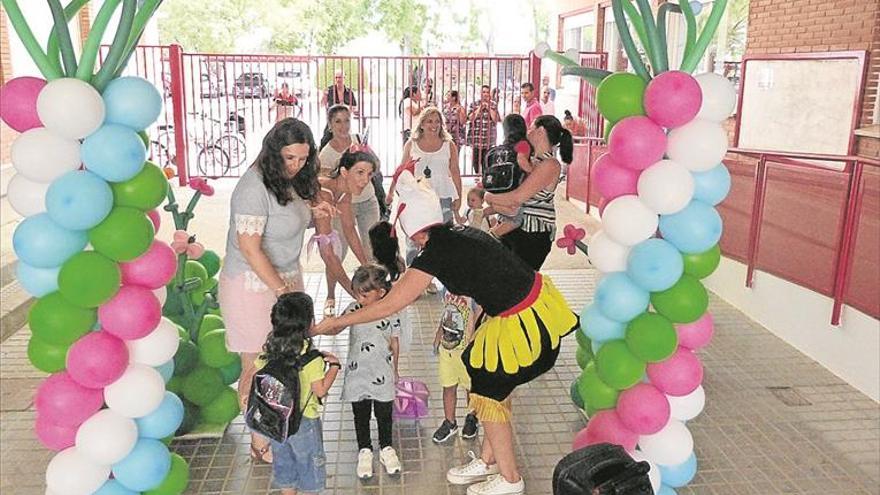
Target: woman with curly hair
{"points": [[271, 208]]}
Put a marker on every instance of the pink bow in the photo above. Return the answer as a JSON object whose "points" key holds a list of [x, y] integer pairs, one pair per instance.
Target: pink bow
{"points": [[185, 243], [201, 185], [360, 147], [571, 239]]}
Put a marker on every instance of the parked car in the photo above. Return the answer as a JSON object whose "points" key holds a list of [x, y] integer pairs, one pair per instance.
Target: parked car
{"points": [[297, 80], [251, 85], [212, 86]]}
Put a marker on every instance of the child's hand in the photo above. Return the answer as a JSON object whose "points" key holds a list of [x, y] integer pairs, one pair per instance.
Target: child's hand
{"points": [[329, 358], [437, 342]]}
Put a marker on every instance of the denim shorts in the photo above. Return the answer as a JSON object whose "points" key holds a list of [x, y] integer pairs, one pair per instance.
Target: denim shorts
{"points": [[299, 462]]}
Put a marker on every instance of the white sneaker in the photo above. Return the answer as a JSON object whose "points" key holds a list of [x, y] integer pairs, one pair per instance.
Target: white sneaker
{"points": [[497, 485], [365, 464], [475, 470], [388, 458]]}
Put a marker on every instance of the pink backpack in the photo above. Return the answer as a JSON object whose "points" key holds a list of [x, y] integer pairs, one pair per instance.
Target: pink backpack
{"points": [[411, 401]]}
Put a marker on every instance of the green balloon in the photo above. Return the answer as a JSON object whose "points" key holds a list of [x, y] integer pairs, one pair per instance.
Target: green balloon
{"points": [[89, 279], [167, 440], [175, 481], [620, 96], [617, 366], [575, 395], [55, 320], [211, 261], [174, 384], [198, 296], [684, 302], [145, 138], [124, 235], [583, 356], [195, 269], [209, 323], [594, 393], [181, 332], [190, 418], [701, 265], [144, 191], [583, 340], [606, 133], [215, 311], [223, 409], [212, 349], [47, 357], [186, 358], [231, 372], [651, 337], [203, 385]]}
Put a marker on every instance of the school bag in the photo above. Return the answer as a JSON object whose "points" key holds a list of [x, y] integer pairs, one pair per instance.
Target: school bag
{"points": [[410, 400], [601, 469], [501, 172], [273, 407]]}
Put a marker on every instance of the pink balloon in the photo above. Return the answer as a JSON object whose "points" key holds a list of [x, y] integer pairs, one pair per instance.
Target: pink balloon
{"points": [[605, 427], [62, 401], [601, 205], [673, 99], [614, 180], [155, 218], [637, 142], [679, 375], [18, 102], [55, 437], [153, 269], [132, 313], [696, 335], [643, 409], [97, 359]]}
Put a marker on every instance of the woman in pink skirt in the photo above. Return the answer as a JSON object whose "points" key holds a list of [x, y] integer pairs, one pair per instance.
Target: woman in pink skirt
{"points": [[271, 208]]}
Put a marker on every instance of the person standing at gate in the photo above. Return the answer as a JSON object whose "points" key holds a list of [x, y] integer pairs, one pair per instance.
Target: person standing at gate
{"points": [[532, 108], [482, 132], [339, 94], [547, 105], [410, 107]]}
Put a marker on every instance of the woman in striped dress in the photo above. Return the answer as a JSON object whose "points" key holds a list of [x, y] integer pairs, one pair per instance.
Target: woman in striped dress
{"points": [[534, 238]]}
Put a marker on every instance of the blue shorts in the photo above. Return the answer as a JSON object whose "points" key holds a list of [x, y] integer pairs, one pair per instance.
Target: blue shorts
{"points": [[299, 462]]}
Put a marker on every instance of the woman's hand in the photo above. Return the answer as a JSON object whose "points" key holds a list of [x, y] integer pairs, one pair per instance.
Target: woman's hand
{"points": [[327, 326], [323, 209]]}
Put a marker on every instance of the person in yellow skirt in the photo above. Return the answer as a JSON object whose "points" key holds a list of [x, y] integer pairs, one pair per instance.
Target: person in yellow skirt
{"points": [[524, 320]]}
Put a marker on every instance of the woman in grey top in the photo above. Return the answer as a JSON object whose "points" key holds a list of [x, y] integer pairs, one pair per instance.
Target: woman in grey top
{"points": [[271, 208]]}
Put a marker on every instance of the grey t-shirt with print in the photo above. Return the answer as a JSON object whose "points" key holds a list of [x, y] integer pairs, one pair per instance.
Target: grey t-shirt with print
{"points": [[369, 373]]}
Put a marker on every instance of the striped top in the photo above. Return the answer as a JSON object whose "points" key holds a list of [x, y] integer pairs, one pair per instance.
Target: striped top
{"points": [[539, 212]]}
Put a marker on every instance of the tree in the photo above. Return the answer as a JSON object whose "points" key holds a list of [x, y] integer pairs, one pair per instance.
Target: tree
{"points": [[404, 22]]}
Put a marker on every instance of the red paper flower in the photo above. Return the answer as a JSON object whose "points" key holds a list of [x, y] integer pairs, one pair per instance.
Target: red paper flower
{"points": [[571, 237], [201, 184]]}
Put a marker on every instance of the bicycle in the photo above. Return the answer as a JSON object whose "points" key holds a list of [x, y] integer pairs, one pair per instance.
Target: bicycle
{"points": [[226, 152]]}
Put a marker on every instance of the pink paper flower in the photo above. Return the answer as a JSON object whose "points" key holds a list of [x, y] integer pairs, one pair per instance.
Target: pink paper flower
{"points": [[201, 184], [571, 239]]}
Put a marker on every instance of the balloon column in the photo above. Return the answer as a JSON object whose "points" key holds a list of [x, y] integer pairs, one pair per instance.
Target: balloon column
{"points": [[660, 180], [84, 188]]}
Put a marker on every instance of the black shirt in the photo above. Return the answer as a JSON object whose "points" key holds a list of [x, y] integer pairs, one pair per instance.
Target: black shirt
{"points": [[471, 263], [346, 98]]}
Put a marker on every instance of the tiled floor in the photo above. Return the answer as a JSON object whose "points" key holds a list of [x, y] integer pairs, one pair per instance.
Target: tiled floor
{"points": [[775, 422]]}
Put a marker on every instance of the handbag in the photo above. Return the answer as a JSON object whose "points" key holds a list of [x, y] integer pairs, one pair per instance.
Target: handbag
{"points": [[411, 399]]}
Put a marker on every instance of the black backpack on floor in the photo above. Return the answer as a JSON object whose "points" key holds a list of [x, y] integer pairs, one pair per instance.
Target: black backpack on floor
{"points": [[602, 469], [273, 407]]}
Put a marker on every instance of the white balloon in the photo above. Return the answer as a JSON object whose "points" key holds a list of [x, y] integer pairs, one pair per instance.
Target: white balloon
{"points": [[541, 48], [654, 473], [138, 392], [157, 347], [72, 473], [606, 255], [670, 446], [666, 187], [42, 155], [106, 437], [699, 145], [161, 295], [70, 107], [27, 197], [687, 407], [719, 97], [627, 221]]}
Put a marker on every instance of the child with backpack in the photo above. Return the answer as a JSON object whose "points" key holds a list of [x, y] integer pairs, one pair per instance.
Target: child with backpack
{"points": [[514, 127], [453, 335], [371, 372], [285, 399]]}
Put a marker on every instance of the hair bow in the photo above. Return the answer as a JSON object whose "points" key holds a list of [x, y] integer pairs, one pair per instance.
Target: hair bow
{"points": [[360, 147], [185, 243]]}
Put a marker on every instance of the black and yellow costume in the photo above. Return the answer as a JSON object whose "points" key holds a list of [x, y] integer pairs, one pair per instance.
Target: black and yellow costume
{"points": [[527, 316]]}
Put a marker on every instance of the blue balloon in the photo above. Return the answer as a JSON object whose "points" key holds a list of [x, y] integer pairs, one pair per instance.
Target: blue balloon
{"points": [[665, 490], [114, 152], [696, 7], [37, 281], [166, 370], [42, 243], [164, 420], [654, 265], [145, 467], [681, 474], [694, 229], [113, 487], [79, 200], [132, 102], [619, 298], [712, 186], [600, 328]]}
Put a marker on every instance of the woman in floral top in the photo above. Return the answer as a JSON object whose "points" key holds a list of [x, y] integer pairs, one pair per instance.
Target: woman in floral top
{"points": [[455, 117]]}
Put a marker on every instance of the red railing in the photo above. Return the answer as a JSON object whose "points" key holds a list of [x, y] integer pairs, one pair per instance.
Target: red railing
{"points": [[811, 219]]}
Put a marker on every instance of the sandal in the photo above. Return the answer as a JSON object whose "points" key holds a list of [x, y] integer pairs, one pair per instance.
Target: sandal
{"points": [[259, 455], [329, 308]]}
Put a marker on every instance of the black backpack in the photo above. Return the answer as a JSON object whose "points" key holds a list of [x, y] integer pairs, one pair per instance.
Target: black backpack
{"points": [[501, 172], [601, 469], [273, 407]]}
